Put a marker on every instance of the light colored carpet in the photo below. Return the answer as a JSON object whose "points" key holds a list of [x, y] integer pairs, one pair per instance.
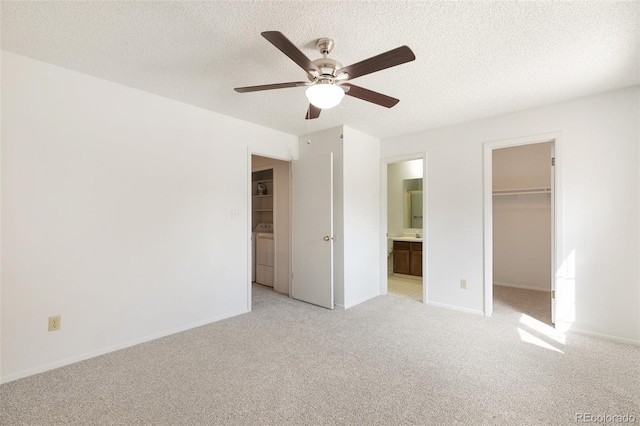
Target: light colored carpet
{"points": [[510, 303], [388, 361]]}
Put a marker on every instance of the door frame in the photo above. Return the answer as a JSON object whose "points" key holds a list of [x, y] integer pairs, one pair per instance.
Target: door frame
{"points": [[556, 209], [250, 152], [384, 162]]}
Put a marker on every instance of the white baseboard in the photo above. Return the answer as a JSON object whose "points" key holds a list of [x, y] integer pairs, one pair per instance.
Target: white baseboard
{"points": [[362, 299], [605, 337], [525, 287], [456, 308], [112, 348]]}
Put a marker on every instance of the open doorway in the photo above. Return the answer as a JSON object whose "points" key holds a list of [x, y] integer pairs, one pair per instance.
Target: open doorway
{"points": [[269, 222], [405, 246], [522, 222], [520, 205]]}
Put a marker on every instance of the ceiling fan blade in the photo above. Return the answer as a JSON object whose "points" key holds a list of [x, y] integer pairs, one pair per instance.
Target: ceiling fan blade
{"points": [[284, 44], [380, 62], [270, 86], [312, 112], [370, 95]]}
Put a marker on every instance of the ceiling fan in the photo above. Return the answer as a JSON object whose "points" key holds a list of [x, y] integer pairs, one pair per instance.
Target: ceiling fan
{"points": [[328, 79]]}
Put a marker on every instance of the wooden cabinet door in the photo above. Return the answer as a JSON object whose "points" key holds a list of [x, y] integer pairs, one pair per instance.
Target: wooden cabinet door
{"points": [[401, 261], [416, 259], [401, 257]]}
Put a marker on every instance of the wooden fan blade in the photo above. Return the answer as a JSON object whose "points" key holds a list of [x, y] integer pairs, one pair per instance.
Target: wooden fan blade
{"points": [[270, 86], [370, 95], [380, 62], [284, 44], [312, 112]]}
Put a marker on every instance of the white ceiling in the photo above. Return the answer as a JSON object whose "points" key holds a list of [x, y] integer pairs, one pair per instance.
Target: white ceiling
{"points": [[474, 59]]}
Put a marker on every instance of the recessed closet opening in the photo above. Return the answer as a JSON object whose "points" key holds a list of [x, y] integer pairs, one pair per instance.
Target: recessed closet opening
{"points": [[269, 255], [523, 194]]}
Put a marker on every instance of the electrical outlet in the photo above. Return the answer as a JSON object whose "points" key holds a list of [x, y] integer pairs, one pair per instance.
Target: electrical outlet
{"points": [[235, 214], [54, 323], [463, 284]]}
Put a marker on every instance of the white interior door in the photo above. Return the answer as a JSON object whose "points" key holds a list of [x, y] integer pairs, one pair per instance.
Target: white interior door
{"points": [[312, 230], [552, 197]]}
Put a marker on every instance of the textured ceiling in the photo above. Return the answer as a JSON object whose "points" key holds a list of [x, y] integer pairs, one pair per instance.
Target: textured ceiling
{"points": [[474, 59]]}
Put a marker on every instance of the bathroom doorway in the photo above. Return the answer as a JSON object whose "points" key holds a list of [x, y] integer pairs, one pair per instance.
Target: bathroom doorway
{"points": [[405, 242]]}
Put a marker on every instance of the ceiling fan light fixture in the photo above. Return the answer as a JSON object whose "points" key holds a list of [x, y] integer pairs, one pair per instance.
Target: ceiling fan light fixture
{"points": [[325, 88], [324, 95]]}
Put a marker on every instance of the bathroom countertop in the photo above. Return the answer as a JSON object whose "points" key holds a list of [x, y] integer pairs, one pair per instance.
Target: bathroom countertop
{"points": [[414, 239]]}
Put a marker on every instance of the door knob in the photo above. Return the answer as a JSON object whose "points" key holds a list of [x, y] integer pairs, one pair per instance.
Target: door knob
{"points": [[327, 238]]}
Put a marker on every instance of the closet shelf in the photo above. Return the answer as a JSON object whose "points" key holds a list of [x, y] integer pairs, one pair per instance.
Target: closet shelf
{"points": [[262, 196], [521, 191]]}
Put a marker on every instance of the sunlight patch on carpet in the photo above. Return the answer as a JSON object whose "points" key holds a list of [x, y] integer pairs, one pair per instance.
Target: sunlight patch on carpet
{"points": [[530, 338]]}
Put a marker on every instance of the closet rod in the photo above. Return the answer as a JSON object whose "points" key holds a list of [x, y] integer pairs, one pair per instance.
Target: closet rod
{"points": [[522, 191]]}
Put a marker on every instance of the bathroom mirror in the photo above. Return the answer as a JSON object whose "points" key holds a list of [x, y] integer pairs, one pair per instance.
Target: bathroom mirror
{"points": [[412, 189]]}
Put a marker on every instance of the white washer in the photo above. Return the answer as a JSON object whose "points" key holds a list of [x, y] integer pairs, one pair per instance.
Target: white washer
{"points": [[264, 274], [264, 259], [253, 257]]}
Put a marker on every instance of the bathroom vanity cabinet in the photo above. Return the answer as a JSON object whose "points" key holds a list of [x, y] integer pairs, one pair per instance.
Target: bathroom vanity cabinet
{"points": [[407, 258]]}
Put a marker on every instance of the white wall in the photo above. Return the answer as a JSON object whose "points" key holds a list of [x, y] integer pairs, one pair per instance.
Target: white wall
{"points": [[282, 224], [361, 216], [522, 223], [524, 166], [324, 142], [1, 133], [601, 214], [356, 206], [116, 214]]}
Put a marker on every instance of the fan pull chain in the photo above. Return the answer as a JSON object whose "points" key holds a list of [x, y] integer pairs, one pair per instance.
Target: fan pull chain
{"points": [[309, 126]]}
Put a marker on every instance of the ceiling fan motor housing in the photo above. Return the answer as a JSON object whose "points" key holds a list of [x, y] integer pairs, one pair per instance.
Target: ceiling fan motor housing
{"points": [[328, 67]]}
